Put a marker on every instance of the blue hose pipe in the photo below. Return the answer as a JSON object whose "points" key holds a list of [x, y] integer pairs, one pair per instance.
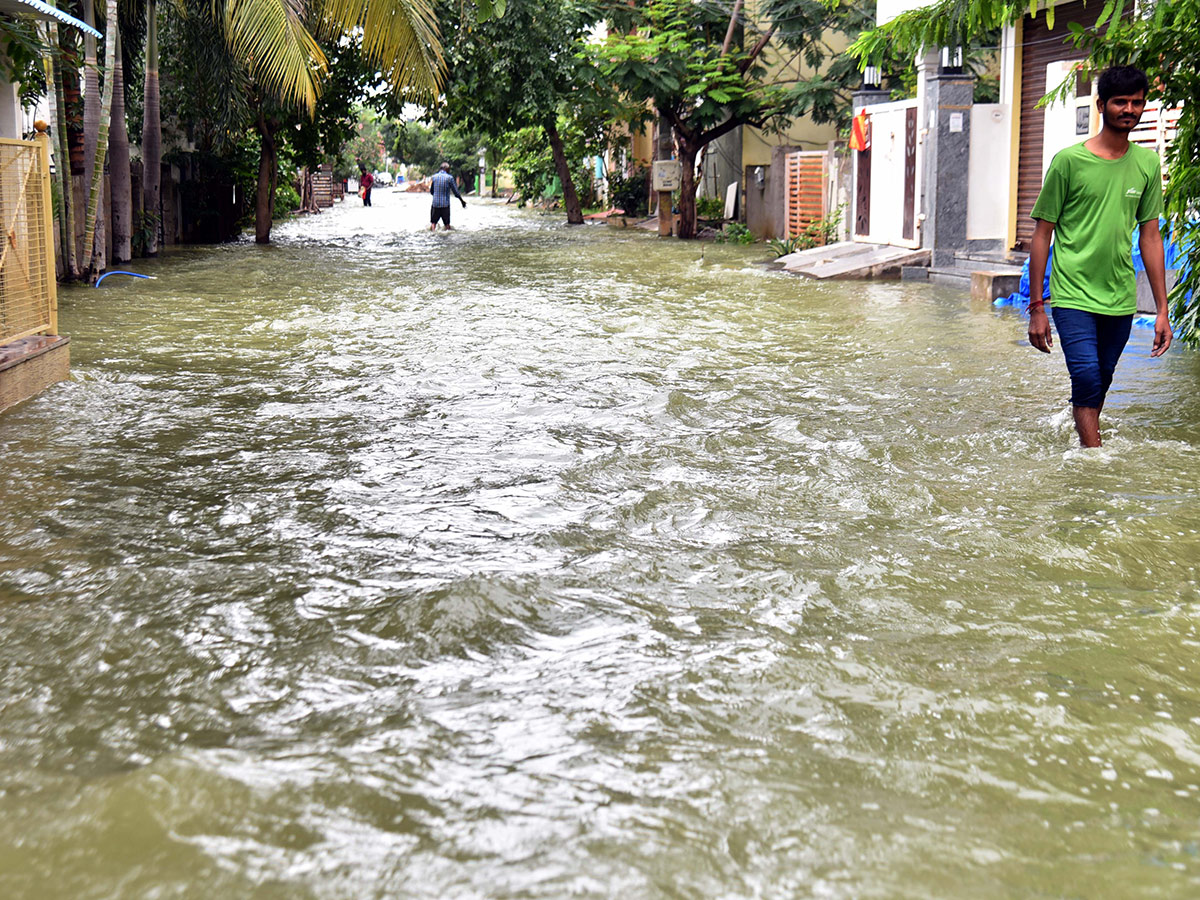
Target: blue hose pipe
{"points": [[119, 272]]}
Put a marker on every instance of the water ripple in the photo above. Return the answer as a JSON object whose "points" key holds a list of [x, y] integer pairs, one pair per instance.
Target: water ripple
{"points": [[526, 561]]}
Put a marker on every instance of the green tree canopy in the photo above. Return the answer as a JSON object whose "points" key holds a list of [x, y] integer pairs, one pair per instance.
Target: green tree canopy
{"points": [[520, 72], [417, 146], [700, 65]]}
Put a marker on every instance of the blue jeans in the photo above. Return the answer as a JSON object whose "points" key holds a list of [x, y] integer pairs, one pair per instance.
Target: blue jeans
{"points": [[1092, 344]]}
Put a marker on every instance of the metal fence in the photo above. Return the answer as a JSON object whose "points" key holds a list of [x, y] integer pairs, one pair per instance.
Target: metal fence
{"points": [[28, 297]]}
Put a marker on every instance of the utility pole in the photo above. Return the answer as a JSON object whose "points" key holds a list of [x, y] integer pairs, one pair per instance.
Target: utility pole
{"points": [[665, 146]]}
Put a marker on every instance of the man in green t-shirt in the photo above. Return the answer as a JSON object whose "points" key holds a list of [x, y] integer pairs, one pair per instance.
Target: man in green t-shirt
{"points": [[1093, 195]]}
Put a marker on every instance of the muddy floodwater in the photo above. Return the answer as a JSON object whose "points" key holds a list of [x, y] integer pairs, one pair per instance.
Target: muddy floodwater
{"points": [[535, 562]]}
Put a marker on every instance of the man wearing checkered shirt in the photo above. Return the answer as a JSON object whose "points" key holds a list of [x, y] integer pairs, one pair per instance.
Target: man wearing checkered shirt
{"points": [[441, 186]]}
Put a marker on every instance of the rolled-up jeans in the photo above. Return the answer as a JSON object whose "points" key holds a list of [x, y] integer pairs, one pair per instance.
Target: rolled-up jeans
{"points": [[1092, 344]]}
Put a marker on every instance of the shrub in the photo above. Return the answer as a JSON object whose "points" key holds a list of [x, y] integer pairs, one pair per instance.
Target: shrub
{"points": [[531, 163], [815, 234], [629, 192], [710, 208], [735, 233]]}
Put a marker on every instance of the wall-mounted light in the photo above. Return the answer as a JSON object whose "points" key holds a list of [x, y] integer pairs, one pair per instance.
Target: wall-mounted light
{"points": [[952, 60]]}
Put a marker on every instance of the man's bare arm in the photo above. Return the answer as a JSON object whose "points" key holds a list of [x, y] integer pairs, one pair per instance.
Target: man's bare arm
{"points": [[1039, 324], [1151, 245]]}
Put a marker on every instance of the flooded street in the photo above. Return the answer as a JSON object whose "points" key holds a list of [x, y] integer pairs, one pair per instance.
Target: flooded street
{"points": [[535, 562]]}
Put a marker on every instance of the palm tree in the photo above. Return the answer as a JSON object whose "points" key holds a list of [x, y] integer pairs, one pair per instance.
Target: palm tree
{"points": [[54, 90], [118, 157], [91, 124], [151, 133], [93, 254]]}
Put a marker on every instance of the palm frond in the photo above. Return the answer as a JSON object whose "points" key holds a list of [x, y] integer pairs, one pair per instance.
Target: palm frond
{"points": [[400, 36], [277, 48]]}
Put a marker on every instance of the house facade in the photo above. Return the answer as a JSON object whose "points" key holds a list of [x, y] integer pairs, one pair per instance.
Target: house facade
{"points": [[756, 161], [955, 177]]}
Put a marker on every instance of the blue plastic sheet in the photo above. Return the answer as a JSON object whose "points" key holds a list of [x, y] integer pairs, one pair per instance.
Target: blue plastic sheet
{"points": [[1020, 299]]}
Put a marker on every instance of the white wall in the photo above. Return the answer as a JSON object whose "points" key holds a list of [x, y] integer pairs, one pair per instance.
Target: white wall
{"points": [[988, 172], [1068, 122], [10, 112]]}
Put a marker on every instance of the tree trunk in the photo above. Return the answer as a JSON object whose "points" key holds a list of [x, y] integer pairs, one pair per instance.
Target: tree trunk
{"points": [[118, 157], [62, 161], [151, 135], [96, 261], [687, 189], [268, 174], [91, 127], [570, 198]]}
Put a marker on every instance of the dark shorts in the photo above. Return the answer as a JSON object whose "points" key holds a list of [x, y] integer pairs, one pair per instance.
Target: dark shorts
{"points": [[440, 212], [1092, 344]]}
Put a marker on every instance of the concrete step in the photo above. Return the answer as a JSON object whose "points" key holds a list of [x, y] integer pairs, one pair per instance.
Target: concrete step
{"points": [[988, 261], [950, 275], [849, 259], [983, 284]]}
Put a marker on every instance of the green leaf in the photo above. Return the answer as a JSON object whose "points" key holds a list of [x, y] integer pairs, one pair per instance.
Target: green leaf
{"points": [[485, 9]]}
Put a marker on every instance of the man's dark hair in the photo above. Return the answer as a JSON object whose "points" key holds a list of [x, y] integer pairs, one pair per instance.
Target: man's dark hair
{"points": [[1121, 81]]}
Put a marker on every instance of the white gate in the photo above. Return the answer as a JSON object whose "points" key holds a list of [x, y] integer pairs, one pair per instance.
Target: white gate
{"points": [[886, 177]]}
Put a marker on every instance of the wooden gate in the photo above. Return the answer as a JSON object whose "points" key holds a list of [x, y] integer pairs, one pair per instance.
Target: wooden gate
{"points": [[322, 182], [28, 291], [806, 199]]}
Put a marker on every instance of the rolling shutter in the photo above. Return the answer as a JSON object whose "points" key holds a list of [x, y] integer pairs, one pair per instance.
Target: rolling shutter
{"points": [[1040, 47]]}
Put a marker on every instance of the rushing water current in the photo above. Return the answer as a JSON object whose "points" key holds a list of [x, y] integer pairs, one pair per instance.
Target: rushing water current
{"points": [[525, 561]]}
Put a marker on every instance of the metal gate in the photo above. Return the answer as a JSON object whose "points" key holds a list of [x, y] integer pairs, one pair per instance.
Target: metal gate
{"points": [[806, 200], [28, 293]]}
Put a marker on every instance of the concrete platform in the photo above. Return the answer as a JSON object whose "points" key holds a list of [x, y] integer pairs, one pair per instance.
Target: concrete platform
{"points": [[851, 259], [1145, 297], [30, 365], [988, 286]]}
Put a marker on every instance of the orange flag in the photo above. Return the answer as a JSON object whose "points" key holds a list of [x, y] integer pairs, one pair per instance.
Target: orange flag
{"points": [[860, 132]]}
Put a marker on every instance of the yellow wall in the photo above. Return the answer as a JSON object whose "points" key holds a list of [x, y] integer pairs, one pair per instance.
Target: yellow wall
{"points": [[783, 64]]}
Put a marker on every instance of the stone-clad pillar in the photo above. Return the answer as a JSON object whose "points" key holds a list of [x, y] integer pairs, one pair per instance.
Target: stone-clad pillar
{"points": [[947, 108], [867, 96]]}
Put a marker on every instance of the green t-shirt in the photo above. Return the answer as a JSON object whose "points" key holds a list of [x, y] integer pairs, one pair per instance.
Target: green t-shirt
{"points": [[1094, 204]]}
